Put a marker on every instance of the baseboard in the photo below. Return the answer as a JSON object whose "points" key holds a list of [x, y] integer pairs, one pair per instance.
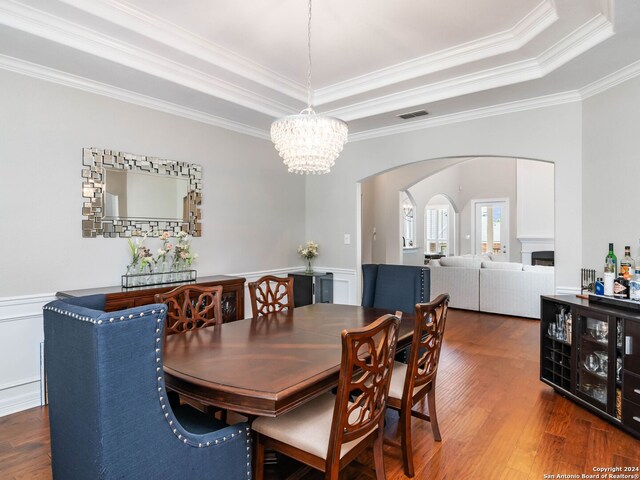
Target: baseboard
{"points": [[20, 397], [20, 338], [567, 291]]}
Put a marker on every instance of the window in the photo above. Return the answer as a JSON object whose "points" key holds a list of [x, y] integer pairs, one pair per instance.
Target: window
{"points": [[409, 224], [436, 229]]}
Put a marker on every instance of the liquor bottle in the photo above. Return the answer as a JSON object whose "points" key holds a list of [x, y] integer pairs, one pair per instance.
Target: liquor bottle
{"points": [[621, 287], [609, 276], [627, 265], [614, 259], [634, 285]]}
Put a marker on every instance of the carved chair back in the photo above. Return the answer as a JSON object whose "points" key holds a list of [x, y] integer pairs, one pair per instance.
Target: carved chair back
{"points": [[271, 294], [190, 307], [363, 385], [426, 343]]}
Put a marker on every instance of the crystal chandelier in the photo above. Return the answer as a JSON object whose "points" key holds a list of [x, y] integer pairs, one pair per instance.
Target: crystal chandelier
{"points": [[307, 142]]}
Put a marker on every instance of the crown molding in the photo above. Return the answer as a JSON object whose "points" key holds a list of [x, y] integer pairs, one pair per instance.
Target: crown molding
{"points": [[167, 33], [475, 114], [538, 20], [160, 30], [611, 80], [462, 85], [61, 31], [69, 80], [586, 36]]}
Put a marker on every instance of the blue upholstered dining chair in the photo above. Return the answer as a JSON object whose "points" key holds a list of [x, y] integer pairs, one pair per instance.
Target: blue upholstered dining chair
{"points": [[395, 287], [108, 408]]}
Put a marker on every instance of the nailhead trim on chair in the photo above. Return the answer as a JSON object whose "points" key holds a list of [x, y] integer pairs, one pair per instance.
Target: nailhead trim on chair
{"points": [[169, 418]]}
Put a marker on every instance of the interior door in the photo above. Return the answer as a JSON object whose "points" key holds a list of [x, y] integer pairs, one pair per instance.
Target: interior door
{"points": [[492, 227]]}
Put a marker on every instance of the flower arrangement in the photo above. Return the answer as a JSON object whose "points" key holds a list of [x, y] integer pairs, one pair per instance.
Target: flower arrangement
{"points": [[141, 257], [308, 251], [182, 253], [169, 263]]}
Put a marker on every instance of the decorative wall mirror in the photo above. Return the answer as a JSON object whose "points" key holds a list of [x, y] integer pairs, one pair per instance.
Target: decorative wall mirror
{"points": [[130, 195]]}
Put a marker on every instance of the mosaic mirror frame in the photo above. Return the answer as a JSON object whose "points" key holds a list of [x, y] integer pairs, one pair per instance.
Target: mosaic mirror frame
{"points": [[94, 223]]}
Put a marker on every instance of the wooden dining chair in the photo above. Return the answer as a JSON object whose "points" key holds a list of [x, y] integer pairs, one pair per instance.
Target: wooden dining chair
{"points": [[330, 431], [414, 380], [270, 294], [190, 307]]}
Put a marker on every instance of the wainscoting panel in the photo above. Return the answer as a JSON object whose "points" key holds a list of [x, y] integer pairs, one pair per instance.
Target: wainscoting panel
{"points": [[344, 283], [21, 379], [20, 337]]}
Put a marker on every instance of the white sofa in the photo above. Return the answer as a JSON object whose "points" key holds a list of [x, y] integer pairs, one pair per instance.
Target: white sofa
{"points": [[479, 284]]}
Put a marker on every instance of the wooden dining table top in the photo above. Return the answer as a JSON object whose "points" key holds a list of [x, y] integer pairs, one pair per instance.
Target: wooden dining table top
{"points": [[267, 365]]}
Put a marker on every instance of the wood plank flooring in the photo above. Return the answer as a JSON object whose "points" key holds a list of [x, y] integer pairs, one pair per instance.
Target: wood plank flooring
{"points": [[498, 421]]}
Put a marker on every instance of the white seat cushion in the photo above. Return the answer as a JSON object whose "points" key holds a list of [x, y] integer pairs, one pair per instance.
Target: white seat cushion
{"points": [[307, 427], [465, 262], [502, 265], [397, 380]]}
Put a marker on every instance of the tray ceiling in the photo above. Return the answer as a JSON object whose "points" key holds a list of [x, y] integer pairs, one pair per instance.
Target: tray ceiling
{"points": [[240, 64]]}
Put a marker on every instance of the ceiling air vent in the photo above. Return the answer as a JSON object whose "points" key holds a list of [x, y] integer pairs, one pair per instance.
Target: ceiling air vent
{"points": [[417, 113]]}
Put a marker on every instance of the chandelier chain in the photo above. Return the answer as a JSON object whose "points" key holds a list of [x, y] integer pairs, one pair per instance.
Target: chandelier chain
{"points": [[309, 53], [309, 143]]}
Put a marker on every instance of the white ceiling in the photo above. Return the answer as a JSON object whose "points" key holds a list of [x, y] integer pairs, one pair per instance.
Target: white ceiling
{"points": [[241, 64]]}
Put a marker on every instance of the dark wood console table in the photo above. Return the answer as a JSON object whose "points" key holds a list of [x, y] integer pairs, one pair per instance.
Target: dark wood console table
{"points": [[119, 298], [595, 363]]}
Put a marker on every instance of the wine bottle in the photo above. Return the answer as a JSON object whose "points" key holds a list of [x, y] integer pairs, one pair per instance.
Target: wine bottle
{"points": [[627, 265], [609, 276], [613, 257]]}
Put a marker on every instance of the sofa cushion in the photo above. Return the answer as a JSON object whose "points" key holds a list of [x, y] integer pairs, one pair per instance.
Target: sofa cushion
{"points": [[502, 266], [465, 262], [434, 263], [537, 268]]}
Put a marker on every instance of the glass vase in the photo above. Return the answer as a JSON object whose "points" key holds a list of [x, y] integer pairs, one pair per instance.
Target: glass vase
{"points": [[132, 269], [309, 269], [145, 270]]}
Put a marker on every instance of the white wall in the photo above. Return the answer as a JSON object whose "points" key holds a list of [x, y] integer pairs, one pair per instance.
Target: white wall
{"points": [[253, 210], [611, 170], [474, 179], [535, 185], [379, 196], [553, 134]]}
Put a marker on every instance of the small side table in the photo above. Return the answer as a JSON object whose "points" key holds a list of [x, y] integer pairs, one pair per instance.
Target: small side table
{"points": [[308, 288]]}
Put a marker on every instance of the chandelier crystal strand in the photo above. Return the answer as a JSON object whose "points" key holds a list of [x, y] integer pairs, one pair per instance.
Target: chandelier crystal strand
{"points": [[307, 142]]}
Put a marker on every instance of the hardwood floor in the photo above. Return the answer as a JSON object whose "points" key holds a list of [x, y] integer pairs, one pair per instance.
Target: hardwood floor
{"points": [[498, 421]]}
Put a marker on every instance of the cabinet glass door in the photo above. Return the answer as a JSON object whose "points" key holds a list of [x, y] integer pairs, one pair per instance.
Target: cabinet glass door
{"points": [[592, 383]]}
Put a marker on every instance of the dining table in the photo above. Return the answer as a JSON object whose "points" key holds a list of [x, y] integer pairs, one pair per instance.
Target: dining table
{"points": [[268, 365]]}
